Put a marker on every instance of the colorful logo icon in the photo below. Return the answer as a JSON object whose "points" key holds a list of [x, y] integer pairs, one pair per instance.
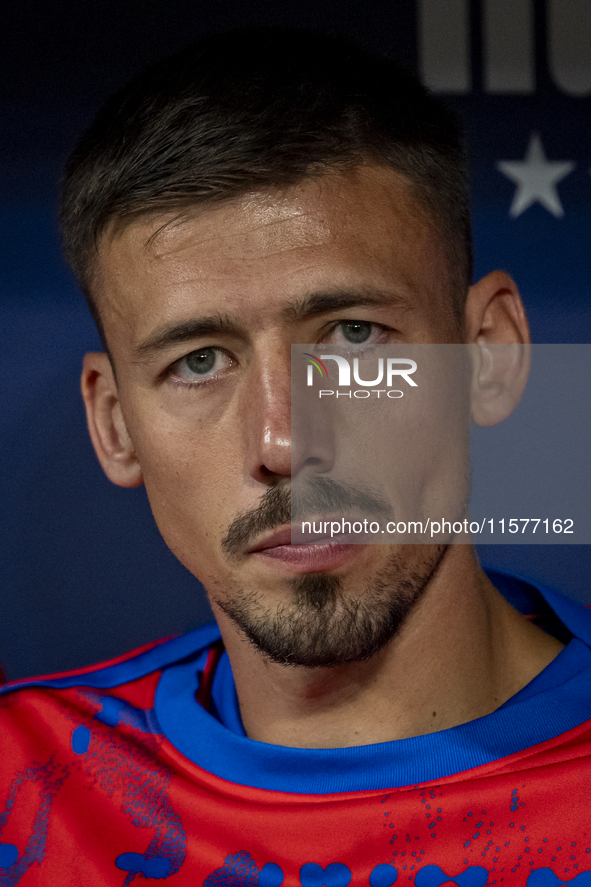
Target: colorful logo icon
{"points": [[312, 362]]}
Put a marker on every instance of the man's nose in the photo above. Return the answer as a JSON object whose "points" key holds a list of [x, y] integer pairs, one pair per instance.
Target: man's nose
{"points": [[283, 435]]}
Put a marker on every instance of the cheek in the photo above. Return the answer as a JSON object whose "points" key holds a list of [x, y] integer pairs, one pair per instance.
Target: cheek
{"points": [[185, 441], [191, 474]]}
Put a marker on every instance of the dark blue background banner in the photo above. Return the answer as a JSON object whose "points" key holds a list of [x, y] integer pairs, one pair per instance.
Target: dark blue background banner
{"points": [[83, 571]]}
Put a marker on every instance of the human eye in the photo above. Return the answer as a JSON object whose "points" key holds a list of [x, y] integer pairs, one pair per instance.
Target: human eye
{"points": [[357, 332], [200, 366]]}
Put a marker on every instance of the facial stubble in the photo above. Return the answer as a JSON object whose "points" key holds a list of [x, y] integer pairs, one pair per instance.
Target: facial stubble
{"points": [[325, 624]]}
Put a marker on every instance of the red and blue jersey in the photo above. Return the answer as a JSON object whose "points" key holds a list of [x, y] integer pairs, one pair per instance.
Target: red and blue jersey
{"points": [[139, 769]]}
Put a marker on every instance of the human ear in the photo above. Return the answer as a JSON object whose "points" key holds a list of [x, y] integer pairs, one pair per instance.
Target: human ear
{"points": [[497, 329], [106, 425]]}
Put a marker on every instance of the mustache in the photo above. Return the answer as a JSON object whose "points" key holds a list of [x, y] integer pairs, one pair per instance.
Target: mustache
{"points": [[280, 505]]}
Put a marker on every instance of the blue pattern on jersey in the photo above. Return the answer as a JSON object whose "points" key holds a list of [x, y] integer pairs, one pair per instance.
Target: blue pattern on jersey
{"points": [[80, 740], [433, 876], [547, 878], [8, 855], [131, 771], [334, 875], [47, 779], [115, 712], [149, 867], [383, 876], [238, 870], [271, 875]]}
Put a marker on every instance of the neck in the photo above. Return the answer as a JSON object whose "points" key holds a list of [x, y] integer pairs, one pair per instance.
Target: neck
{"points": [[462, 652]]}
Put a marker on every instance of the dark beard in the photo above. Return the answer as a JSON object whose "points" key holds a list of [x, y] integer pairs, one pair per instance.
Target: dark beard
{"points": [[323, 627]]}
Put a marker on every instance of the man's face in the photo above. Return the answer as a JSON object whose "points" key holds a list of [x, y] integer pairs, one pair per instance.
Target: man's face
{"points": [[200, 311]]}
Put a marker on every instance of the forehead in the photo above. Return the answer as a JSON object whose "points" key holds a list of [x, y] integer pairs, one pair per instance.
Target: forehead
{"points": [[361, 229]]}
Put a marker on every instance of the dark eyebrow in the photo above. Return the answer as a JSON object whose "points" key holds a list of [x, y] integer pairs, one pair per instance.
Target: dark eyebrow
{"points": [[173, 333], [337, 300], [308, 306]]}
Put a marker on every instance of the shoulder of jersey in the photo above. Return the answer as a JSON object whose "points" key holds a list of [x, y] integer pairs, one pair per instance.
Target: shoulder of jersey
{"points": [[527, 596], [130, 667]]}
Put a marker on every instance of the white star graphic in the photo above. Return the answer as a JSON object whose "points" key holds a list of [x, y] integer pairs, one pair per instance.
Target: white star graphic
{"points": [[536, 178]]}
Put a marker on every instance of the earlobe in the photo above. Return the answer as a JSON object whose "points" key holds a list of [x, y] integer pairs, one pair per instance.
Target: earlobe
{"points": [[106, 425], [498, 332], [498, 381]]}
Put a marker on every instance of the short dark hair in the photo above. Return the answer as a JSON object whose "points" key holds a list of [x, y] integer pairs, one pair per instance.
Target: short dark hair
{"points": [[255, 109]]}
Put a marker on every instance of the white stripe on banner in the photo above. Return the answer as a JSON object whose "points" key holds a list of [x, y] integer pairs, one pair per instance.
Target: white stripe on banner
{"points": [[569, 45], [444, 45], [508, 46]]}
